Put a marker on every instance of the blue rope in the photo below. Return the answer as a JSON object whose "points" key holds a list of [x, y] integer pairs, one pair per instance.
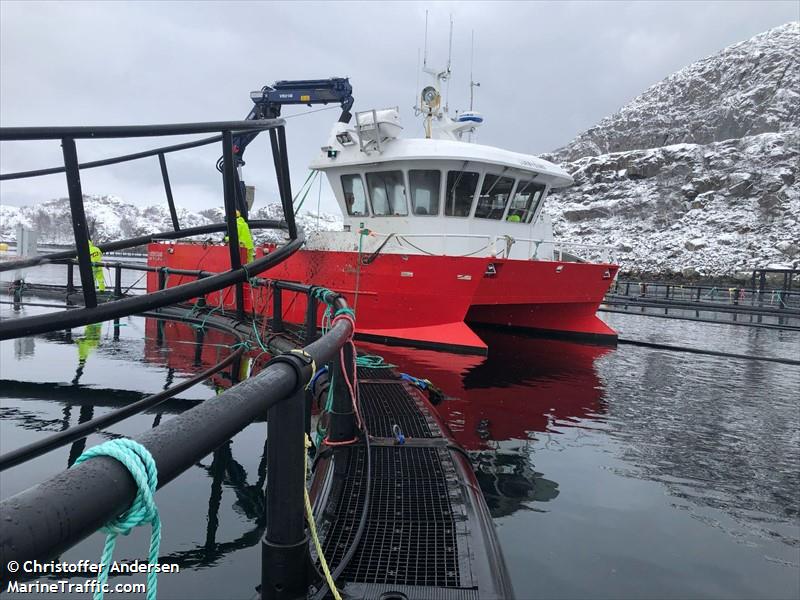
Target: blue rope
{"points": [[142, 467]]}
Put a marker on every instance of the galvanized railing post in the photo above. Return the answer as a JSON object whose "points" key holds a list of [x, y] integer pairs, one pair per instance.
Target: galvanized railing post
{"points": [[284, 547]]}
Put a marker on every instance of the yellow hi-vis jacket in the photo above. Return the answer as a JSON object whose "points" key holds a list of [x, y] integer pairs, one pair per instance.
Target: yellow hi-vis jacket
{"points": [[94, 253]]}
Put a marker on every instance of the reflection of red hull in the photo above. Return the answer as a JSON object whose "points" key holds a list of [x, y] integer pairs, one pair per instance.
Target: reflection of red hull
{"points": [[524, 386], [424, 300]]}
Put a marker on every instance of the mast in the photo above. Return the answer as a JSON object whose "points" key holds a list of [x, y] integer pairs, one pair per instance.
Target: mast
{"points": [[472, 83]]}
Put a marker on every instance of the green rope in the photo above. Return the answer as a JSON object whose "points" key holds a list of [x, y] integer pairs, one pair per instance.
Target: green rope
{"points": [[258, 337], [142, 467], [372, 361], [345, 311], [243, 344]]}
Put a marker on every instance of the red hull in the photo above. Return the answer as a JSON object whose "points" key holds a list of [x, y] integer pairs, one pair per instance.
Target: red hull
{"points": [[547, 296], [423, 300]]}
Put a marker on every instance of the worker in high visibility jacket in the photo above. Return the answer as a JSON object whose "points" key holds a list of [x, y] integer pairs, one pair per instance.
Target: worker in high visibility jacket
{"points": [[245, 237], [86, 345], [96, 257]]}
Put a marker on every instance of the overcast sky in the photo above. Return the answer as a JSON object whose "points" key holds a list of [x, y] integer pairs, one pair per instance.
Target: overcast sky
{"points": [[548, 70]]}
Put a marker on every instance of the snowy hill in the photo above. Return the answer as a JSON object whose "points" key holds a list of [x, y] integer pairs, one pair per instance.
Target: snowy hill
{"points": [[700, 173], [110, 218], [749, 88]]}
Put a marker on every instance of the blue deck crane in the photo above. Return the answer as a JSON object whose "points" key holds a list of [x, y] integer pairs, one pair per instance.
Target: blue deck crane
{"points": [[267, 104]]}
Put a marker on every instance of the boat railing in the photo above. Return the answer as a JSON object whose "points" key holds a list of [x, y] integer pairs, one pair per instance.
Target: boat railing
{"points": [[561, 251], [500, 246]]}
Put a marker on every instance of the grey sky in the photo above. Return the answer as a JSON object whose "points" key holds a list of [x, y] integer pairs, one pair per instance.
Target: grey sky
{"points": [[547, 72]]}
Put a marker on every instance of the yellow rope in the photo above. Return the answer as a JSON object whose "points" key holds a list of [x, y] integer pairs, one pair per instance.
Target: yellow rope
{"points": [[313, 528]]}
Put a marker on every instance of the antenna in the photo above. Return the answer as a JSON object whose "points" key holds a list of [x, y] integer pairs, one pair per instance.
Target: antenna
{"points": [[447, 71], [472, 83], [416, 89], [425, 56], [450, 47]]}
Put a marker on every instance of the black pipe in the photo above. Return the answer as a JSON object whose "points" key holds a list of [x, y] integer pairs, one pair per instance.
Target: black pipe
{"points": [[12, 328], [276, 159], [62, 438], [70, 279], [342, 419], [114, 160], [277, 309], [45, 520], [229, 186], [311, 319], [288, 208], [786, 361], [79, 221], [128, 131], [704, 306], [162, 161], [284, 547], [132, 242]]}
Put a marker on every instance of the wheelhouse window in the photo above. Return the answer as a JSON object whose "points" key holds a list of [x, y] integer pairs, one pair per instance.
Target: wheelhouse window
{"points": [[493, 197], [424, 191], [355, 197], [526, 201], [461, 187], [387, 191]]}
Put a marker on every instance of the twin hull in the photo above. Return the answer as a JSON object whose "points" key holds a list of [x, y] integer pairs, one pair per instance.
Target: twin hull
{"points": [[421, 300]]}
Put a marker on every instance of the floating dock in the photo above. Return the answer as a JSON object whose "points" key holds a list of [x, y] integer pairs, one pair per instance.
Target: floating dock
{"points": [[428, 532]]}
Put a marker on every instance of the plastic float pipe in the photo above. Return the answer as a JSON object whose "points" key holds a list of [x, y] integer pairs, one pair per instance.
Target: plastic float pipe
{"points": [[56, 514], [132, 242], [120, 308], [82, 430]]}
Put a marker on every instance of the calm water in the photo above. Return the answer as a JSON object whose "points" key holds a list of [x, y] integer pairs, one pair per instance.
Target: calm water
{"points": [[610, 473]]}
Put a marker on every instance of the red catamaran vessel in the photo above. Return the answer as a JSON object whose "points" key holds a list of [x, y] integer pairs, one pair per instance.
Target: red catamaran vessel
{"points": [[438, 232]]}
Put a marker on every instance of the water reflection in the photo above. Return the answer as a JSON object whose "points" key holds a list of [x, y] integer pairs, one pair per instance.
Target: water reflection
{"points": [[716, 433], [498, 404]]}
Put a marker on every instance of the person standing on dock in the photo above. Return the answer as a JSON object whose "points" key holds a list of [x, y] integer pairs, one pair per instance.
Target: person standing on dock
{"points": [[97, 257], [245, 237]]}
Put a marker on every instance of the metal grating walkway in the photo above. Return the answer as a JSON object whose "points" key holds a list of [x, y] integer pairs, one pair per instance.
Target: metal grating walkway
{"points": [[410, 536], [427, 534], [387, 404]]}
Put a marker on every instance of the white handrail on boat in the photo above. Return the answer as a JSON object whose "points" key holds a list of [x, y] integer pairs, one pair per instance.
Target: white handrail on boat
{"points": [[605, 252]]}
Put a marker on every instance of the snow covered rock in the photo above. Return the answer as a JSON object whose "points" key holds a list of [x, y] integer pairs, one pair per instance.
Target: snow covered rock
{"points": [[723, 196], [746, 89]]}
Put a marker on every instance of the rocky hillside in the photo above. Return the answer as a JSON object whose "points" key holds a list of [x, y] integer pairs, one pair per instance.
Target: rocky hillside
{"points": [[700, 173], [110, 218], [749, 88]]}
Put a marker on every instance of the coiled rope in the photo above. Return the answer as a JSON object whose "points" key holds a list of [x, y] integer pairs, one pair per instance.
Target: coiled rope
{"points": [[139, 462]]}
